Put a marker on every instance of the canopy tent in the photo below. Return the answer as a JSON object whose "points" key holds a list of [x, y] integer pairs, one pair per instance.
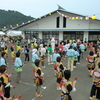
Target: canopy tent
{"points": [[2, 33], [14, 33]]}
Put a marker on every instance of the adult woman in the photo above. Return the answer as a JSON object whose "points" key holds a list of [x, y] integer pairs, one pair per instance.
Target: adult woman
{"points": [[67, 86]]}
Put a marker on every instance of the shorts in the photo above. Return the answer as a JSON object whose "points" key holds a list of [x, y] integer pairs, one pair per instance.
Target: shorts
{"points": [[91, 68], [59, 80]]}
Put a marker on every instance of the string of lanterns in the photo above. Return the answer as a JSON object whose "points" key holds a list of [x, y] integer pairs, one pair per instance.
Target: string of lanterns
{"points": [[77, 18], [69, 17]]}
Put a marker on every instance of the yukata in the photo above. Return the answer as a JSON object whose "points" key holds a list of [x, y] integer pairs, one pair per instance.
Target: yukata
{"points": [[91, 62], [95, 90], [66, 87]]}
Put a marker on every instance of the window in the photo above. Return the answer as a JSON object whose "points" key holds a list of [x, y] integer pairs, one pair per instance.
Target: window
{"points": [[49, 34], [64, 22], [57, 22], [31, 34]]}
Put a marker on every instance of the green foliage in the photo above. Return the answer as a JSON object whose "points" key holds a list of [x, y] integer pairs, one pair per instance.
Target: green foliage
{"points": [[11, 17]]}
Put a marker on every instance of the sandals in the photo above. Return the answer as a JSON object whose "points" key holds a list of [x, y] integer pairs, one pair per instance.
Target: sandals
{"points": [[39, 95]]}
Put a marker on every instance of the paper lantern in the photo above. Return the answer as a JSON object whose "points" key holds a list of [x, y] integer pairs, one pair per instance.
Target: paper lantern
{"points": [[70, 17], [73, 18], [28, 21], [57, 11], [4, 26], [81, 18], [93, 16], [49, 13], [86, 18], [16, 24], [40, 18], [62, 14], [67, 16], [23, 23], [10, 25], [77, 18]]}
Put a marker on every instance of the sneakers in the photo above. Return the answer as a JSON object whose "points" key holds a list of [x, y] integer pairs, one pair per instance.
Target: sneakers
{"points": [[58, 88], [52, 63], [77, 63], [90, 98], [43, 67], [74, 66]]}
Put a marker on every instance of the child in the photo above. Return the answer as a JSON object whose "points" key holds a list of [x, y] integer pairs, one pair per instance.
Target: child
{"points": [[18, 48], [59, 76], [6, 51], [22, 51], [39, 77], [43, 52], [13, 55], [91, 62]]}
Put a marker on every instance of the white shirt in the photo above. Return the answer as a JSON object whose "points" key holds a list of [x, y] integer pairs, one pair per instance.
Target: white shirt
{"points": [[43, 51]]}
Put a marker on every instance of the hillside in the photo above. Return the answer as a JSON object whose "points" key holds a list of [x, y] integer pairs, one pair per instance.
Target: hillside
{"points": [[11, 17]]}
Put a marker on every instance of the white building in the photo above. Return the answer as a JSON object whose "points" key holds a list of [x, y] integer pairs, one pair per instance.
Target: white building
{"points": [[56, 25]]}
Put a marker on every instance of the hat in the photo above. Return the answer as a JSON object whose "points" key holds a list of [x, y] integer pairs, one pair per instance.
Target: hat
{"points": [[34, 51]]}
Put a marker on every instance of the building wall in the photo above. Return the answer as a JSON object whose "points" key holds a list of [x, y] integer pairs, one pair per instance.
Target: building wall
{"points": [[49, 22]]}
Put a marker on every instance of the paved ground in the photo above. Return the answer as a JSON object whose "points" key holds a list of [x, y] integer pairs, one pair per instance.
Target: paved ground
{"points": [[27, 87]]}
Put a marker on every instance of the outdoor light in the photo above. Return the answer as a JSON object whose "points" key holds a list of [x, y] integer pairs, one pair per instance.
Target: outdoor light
{"points": [[67, 16], [49, 13], [40, 18], [77, 18], [23, 23], [73, 18], [10, 25], [93, 16], [86, 18], [16, 24], [4, 27], [81, 18], [28, 21], [62, 14]]}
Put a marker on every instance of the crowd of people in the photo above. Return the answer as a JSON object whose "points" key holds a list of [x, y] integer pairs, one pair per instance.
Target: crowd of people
{"points": [[73, 50]]}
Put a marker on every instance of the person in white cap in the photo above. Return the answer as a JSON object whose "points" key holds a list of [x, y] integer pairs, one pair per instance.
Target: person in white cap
{"points": [[34, 56]]}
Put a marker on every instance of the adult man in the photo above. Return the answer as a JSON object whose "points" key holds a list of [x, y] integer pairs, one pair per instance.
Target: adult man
{"points": [[70, 53]]}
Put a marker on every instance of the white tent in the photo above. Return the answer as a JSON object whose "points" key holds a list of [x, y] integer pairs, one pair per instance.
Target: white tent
{"points": [[2, 33], [14, 33]]}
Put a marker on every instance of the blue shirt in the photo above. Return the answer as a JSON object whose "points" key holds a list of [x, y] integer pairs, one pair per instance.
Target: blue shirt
{"points": [[70, 53], [18, 62], [76, 54], [34, 57], [74, 44], [82, 46], [55, 55], [2, 61]]}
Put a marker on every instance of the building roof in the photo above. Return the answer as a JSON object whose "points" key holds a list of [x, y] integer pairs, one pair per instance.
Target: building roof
{"points": [[35, 19]]}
